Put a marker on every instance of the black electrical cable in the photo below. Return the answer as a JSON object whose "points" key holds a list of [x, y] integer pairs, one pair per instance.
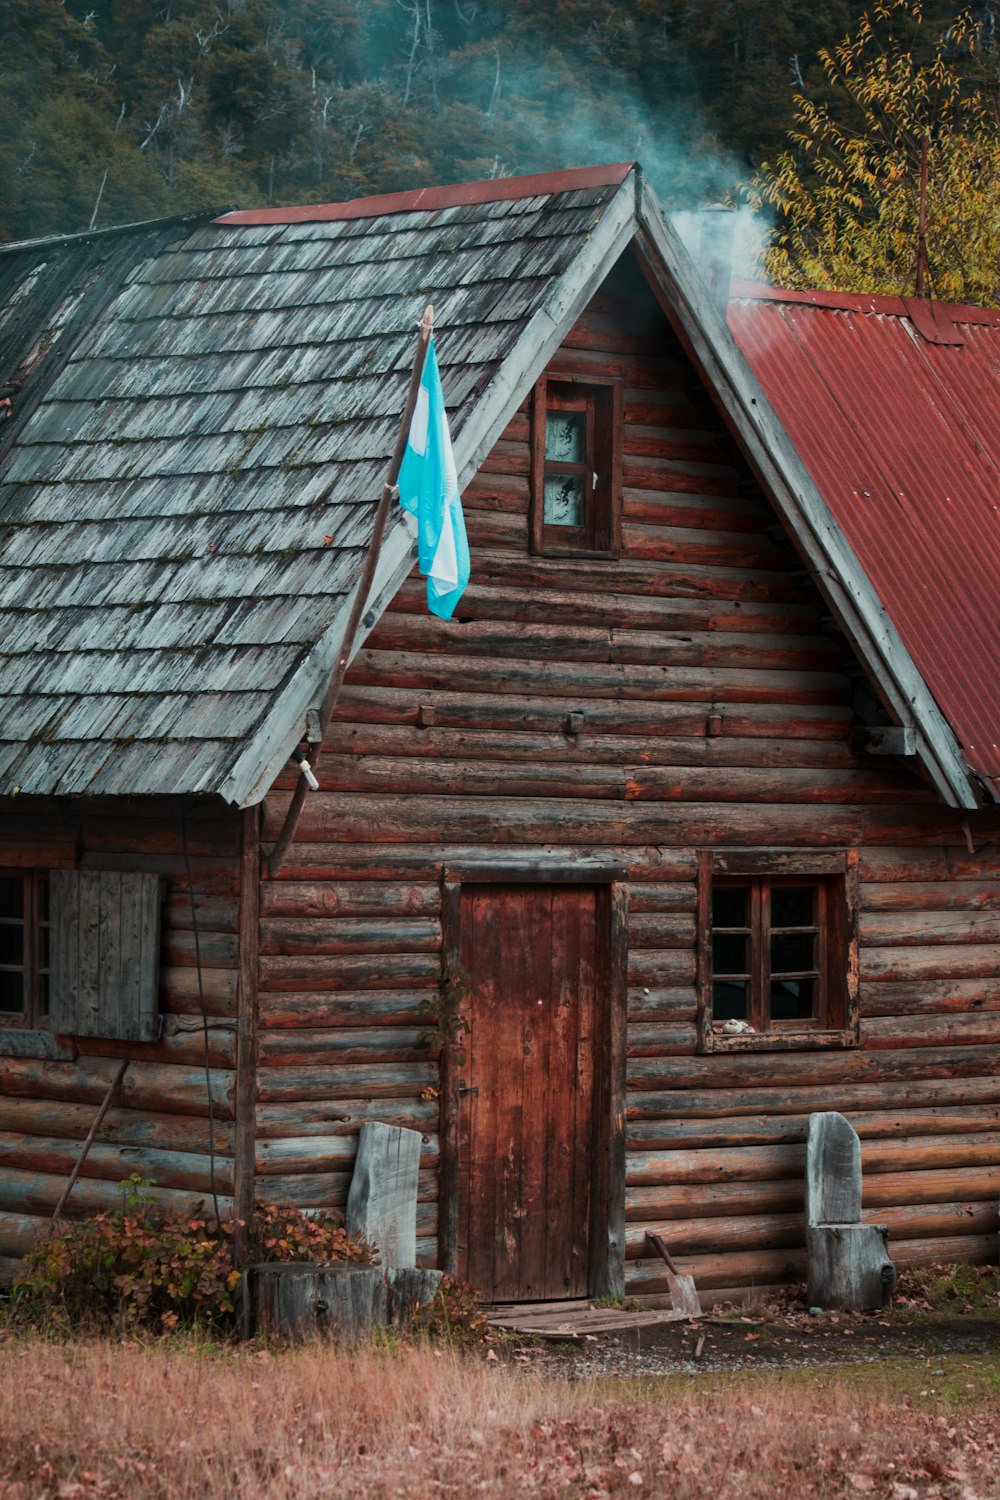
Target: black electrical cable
{"points": [[204, 1025]]}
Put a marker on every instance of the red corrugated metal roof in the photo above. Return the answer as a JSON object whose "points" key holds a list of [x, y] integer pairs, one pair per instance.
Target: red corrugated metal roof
{"points": [[490, 190], [895, 410]]}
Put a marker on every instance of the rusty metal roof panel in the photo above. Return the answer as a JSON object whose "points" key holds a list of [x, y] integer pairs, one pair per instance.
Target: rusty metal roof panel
{"points": [[184, 510], [896, 413]]}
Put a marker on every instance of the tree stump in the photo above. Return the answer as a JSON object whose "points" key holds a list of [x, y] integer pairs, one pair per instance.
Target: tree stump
{"points": [[299, 1300], [382, 1202], [849, 1264]]}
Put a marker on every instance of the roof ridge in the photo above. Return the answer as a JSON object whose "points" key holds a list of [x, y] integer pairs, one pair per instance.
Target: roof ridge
{"points": [[453, 195], [864, 302]]}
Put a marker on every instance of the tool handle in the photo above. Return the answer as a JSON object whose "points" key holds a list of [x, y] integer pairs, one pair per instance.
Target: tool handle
{"points": [[660, 1247]]}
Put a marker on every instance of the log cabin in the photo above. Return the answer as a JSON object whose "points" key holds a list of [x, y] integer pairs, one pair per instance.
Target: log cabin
{"points": [[683, 828]]}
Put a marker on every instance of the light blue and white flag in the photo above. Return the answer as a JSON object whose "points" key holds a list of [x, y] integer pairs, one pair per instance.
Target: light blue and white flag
{"points": [[428, 489]]}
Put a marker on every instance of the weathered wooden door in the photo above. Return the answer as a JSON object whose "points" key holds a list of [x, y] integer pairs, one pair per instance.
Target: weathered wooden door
{"points": [[525, 1092]]}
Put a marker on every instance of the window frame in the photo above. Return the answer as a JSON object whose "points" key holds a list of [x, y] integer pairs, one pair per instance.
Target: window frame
{"points": [[601, 398], [835, 874], [35, 1013]]}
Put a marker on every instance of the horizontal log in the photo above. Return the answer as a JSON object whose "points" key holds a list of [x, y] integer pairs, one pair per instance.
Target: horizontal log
{"points": [[388, 818], [735, 1164], [279, 1009], [336, 861], [108, 833], [520, 641], [335, 1048], [23, 1192], [527, 712], [656, 968], [329, 1190], [213, 913], [892, 929], [341, 935], [779, 1267], [183, 1049], [662, 929], [801, 1069], [589, 747], [959, 961], [932, 895], [339, 774], [385, 1081], [123, 1127], [146, 1086], [662, 1003], [661, 896], [180, 992], [885, 998], [721, 1234], [349, 898], [954, 863], [20, 1233], [687, 1200], [359, 971], [569, 600], [932, 1031], [168, 1169], [662, 580], [666, 683], [844, 1095], [214, 950], [321, 1154], [345, 1116], [662, 1039], [674, 1132]]}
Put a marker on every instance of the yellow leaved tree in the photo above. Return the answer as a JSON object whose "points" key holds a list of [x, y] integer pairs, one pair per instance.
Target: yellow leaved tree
{"points": [[848, 191]]}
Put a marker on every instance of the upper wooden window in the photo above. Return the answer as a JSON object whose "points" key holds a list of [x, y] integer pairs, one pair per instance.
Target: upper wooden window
{"points": [[778, 951], [576, 467], [24, 949]]}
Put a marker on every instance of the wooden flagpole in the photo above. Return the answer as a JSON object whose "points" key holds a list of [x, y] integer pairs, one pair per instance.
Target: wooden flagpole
{"points": [[336, 682]]}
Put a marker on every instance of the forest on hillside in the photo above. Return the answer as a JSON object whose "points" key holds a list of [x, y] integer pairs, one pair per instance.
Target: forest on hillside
{"points": [[118, 110]]}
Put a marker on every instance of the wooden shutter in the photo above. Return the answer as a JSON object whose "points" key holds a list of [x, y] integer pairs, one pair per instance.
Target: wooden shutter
{"points": [[105, 939]]}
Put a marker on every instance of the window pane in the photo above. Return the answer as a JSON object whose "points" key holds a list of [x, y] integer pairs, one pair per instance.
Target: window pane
{"points": [[11, 896], [566, 436], [11, 994], [729, 1000], [43, 899], [11, 943], [793, 906], [792, 951], [729, 954], [43, 995], [43, 947], [729, 906], [792, 999], [563, 500]]}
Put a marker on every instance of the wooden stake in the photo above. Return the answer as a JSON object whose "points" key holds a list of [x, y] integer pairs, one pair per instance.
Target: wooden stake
{"points": [[361, 596], [91, 1134]]}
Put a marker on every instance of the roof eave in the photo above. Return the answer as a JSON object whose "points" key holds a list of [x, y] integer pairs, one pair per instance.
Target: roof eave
{"points": [[835, 568]]}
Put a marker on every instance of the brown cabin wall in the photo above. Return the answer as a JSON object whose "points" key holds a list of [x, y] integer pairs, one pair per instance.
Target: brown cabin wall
{"points": [[449, 745], [159, 1127]]}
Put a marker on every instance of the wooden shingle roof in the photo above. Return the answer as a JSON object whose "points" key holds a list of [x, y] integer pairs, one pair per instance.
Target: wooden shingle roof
{"points": [[183, 517]]}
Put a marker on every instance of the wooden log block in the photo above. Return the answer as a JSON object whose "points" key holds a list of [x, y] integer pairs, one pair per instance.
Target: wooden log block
{"points": [[382, 1202], [848, 1262], [300, 1300]]}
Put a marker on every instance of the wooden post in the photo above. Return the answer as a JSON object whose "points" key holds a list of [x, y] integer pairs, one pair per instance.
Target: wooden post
{"points": [[361, 595], [382, 1202], [849, 1265], [91, 1136]]}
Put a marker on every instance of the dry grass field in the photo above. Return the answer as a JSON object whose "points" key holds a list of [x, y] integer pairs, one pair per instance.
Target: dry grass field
{"points": [[83, 1420]]}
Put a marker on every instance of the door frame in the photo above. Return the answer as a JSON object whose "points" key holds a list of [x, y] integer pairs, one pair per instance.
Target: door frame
{"points": [[606, 1273]]}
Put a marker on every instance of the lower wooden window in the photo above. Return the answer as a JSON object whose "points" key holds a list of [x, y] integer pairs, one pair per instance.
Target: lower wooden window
{"points": [[24, 949], [778, 952]]}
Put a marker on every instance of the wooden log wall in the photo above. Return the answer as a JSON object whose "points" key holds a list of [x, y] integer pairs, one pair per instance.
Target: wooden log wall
{"points": [[717, 710], [158, 1124]]}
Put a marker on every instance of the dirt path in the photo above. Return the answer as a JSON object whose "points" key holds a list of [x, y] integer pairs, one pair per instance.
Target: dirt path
{"points": [[704, 1347]]}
